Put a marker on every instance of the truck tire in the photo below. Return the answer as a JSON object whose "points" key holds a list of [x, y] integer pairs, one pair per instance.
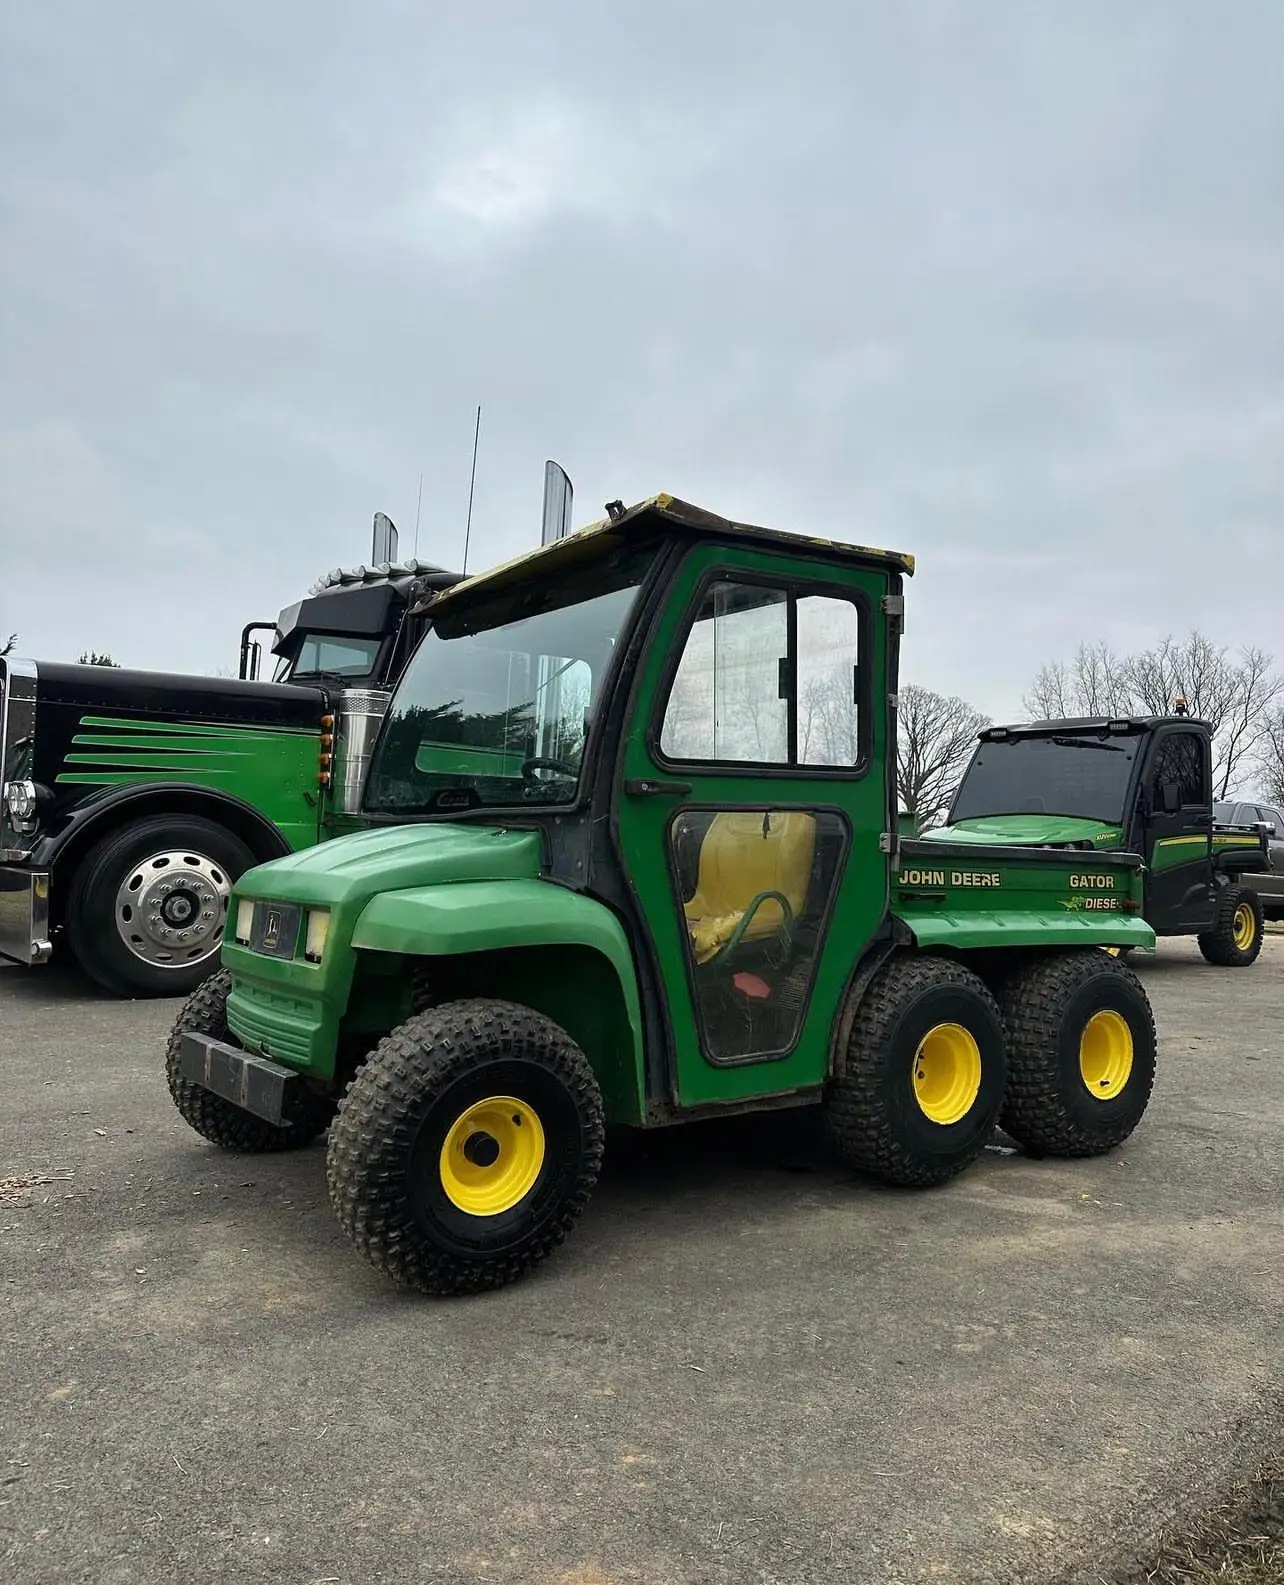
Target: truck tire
{"points": [[1081, 1054], [466, 1147], [1235, 940], [225, 1125], [918, 1095], [148, 903]]}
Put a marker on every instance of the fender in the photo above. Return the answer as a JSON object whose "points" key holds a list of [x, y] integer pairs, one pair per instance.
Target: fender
{"points": [[109, 807], [602, 1012]]}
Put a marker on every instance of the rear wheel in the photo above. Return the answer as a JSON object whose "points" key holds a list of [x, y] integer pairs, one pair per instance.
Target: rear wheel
{"points": [[148, 904], [919, 1094], [225, 1125], [1081, 1054], [467, 1146], [1236, 937]]}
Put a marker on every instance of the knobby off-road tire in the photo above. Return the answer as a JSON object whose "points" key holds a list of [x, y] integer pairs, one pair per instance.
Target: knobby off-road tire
{"points": [[1081, 1054], [919, 1093], [1235, 940], [116, 891], [225, 1125], [466, 1147]]}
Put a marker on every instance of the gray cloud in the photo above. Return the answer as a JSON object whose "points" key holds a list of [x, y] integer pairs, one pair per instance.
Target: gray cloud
{"points": [[997, 285]]}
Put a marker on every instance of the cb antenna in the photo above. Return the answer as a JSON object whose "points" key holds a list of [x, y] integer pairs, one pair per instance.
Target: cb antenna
{"points": [[468, 526], [418, 503]]}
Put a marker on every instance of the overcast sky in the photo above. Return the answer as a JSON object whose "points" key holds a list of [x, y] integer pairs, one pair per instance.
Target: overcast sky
{"points": [[1000, 284]]}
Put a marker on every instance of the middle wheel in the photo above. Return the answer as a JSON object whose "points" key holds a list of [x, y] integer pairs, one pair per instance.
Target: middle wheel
{"points": [[919, 1094]]}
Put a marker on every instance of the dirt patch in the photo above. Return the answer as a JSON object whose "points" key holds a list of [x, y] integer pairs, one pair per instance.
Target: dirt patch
{"points": [[1240, 1541]]}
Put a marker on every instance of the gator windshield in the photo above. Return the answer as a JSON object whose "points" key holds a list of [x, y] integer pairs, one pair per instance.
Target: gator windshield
{"points": [[494, 708], [1066, 774]]}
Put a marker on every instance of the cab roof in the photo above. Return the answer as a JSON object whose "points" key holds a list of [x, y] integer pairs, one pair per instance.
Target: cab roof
{"points": [[657, 515]]}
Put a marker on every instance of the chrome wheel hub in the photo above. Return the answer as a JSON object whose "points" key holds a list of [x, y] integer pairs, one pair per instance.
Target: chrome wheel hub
{"points": [[170, 908]]}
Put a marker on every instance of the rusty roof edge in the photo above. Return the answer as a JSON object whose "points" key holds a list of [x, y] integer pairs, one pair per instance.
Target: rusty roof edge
{"points": [[674, 509]]}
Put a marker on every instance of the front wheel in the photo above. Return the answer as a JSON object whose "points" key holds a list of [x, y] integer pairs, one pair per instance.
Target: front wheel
{"points": [[918, 1096], [1235, 940], [148, 904], [466, 1147], [1081, 1054]]}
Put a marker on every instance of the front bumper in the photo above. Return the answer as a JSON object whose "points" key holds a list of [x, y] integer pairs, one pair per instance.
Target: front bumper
{"points": [[255, 1084], [24, 915]]}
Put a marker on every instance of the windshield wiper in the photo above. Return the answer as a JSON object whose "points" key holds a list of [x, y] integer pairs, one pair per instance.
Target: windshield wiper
{"points": [[1083, 742]]}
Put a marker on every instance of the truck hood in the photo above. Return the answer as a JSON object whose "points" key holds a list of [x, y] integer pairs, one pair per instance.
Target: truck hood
{"points": [[1026, 831], [348, 871]]}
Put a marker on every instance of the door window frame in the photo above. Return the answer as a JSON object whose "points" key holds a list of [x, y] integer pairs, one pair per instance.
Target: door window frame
{"points": [[794, 588]]}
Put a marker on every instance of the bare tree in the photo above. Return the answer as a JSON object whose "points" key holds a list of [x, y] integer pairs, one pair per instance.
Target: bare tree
{"points": [[91, 657], [1270, 756], [1234, 695], [935, 737], [7, 647], [1095, 682]]}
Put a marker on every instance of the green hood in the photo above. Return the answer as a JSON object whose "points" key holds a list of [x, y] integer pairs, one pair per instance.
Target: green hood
{"points": [[1029, 831], [350, 870]]}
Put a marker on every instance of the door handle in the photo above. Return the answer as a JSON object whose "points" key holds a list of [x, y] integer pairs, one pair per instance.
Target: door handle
{"points": [[642, 787]]}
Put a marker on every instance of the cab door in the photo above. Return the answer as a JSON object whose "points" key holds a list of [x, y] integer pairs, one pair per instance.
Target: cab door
{"points": [[752, 803], [1179, 833]]}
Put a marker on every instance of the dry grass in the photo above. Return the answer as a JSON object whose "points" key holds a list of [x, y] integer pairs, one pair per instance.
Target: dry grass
{"points": [[1239, 1542]]}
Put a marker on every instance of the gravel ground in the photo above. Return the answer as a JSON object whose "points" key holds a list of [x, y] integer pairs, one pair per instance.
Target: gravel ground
{"points": [[745, 1366]]}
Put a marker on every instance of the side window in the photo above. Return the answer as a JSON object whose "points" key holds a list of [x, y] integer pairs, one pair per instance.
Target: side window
{"points": [[828, 681], [727, 700], [1179, 762], [767, 677]]}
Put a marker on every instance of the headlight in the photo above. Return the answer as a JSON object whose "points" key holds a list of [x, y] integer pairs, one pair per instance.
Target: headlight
{"points": [[318, 930], [244, 920], [20, 799]]}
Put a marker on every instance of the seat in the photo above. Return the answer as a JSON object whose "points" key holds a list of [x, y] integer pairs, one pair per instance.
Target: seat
{"points": [[752, 880]]}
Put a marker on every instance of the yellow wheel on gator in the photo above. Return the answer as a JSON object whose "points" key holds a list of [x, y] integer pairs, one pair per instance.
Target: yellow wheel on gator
{"points": [[1235, 939], [947, 1073], [917, 1094], [467, 1146], [1081, 1053], [492, 1156], [1105, 1054]]}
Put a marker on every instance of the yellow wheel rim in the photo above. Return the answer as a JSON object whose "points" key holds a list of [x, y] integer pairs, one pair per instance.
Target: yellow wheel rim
{"points": [[492, 1156], [1105, 1054], [1244, 928], [947, 1073]]}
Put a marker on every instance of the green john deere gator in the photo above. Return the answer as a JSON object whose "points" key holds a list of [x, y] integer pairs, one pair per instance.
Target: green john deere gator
{"points": [[632, 859], [1139, 783]]}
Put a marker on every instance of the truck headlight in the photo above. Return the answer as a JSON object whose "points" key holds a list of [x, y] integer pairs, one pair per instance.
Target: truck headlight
{"points": [[244, 920], [20, 800], [318, 930]]}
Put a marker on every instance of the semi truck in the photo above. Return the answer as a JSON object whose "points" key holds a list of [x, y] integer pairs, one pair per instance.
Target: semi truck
{"points": [[131, 801]]}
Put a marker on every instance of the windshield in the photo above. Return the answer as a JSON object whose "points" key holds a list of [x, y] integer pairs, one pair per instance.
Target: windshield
{"points": [[320, 656], [1064, 775], [497, 715]]}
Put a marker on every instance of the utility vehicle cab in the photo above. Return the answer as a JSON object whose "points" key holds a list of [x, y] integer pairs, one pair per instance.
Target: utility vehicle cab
{"points": [[631, 850], [1140, 784]]}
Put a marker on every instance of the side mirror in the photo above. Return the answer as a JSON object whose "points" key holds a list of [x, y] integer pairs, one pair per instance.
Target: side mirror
{"points": [[1170, 797], [1269, 827]]}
